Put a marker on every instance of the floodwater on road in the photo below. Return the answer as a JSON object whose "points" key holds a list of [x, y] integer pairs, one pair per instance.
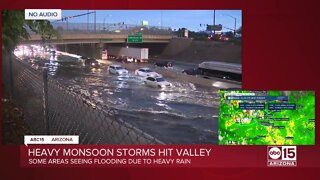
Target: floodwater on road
{"points": [[182, 114]]}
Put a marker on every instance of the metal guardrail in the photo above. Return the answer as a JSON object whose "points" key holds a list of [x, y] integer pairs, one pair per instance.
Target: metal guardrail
{"points": [[50, 108]]}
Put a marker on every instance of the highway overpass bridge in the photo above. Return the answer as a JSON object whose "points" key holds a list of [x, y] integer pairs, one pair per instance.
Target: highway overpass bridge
{"points": [[84, 38], [91, 39], [76, 33]]}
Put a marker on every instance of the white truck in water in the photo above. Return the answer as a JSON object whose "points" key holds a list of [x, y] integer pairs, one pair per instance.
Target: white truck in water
{"points": [[138, 54]]}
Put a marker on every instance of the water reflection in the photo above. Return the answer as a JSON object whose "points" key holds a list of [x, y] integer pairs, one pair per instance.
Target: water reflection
{"points": [[52, 65]]}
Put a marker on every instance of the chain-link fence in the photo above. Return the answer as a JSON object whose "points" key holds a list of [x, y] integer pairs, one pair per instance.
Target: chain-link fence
{"points": [[50, 108], [118, 28], [102, 28]]}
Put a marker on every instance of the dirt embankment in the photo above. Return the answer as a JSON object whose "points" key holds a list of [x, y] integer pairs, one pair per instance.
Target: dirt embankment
{"points": [[190, 51], [14, 126]]}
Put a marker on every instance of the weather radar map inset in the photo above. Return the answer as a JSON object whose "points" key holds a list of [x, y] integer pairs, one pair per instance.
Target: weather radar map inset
{"points": [[267, 117]]}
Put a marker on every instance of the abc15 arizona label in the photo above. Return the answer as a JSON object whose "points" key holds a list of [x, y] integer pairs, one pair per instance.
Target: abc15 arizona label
{"points": [[282, 156]]}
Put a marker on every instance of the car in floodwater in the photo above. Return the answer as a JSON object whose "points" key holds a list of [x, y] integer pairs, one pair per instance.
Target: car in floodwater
{"points": [[129, 59], [165, 64], [158, 82], [192, 72], [124, 59], [117, 69], [91, 63], [145, 72]]}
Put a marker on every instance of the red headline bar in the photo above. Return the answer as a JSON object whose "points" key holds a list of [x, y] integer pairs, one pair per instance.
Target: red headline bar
{"points": [[157, 156]]}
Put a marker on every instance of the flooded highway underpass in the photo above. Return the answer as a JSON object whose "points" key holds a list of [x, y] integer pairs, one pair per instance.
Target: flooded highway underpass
{"points": [[184, 113]]}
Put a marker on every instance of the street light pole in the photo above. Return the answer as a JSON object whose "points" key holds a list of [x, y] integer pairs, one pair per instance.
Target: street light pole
{"points": [[235, 25], [74, 16], [104, 24], [104, 20], [88, 21], [161, 19]]}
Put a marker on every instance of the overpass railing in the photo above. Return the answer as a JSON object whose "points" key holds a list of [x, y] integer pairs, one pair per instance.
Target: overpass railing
{"points": [[110, 28]]}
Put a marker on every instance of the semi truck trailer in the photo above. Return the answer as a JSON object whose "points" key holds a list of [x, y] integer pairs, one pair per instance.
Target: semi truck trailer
{"points": [[139, 54]]}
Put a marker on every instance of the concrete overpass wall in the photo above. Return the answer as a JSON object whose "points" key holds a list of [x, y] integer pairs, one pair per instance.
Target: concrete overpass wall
{"points": [[176, 46], [88, 50], [190, 51], [94, 49], [155, 49]]}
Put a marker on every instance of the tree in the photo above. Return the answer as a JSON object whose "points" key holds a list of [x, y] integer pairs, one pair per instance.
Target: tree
{"points": [[15, 29], [239, 30], [229, 34]]}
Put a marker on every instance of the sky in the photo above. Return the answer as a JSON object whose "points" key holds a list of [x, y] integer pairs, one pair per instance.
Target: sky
{"points": [[190, 19]]}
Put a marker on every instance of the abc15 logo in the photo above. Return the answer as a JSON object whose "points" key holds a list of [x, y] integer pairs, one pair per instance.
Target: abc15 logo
{"points": [[287, 153]]}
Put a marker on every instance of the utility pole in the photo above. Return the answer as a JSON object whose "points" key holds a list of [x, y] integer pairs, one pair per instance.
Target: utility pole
{"points": [[74, 16], [214, 24], [67, 19], [235, 26], [95, 12], [88, 21]]}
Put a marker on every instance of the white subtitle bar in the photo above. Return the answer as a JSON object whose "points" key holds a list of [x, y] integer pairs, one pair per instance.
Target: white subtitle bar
{"points": [[51, 139], [42, 14]]}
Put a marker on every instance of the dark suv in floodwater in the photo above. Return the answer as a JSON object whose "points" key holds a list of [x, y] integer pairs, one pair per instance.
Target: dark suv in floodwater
{"points": [[193, 71], [91, 63], [166, 64]]}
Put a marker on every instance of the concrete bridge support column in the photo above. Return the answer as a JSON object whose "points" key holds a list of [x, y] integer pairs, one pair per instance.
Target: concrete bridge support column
{"points": [[96, 50], [62, 47], [66, 48], [99, 50]]}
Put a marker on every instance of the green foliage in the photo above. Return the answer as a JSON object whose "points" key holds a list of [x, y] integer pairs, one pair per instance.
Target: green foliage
{"points": [[15, 29], [230, 34], [239, 31], [198, 35], [192, 34]]}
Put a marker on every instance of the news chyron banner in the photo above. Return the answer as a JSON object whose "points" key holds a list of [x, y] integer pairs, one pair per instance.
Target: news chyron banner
{"points": [[205, 156], [263, 127]]}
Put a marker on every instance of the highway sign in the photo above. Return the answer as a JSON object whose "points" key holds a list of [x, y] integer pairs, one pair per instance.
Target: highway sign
{"points": [[216, 27], [134, 39]]}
